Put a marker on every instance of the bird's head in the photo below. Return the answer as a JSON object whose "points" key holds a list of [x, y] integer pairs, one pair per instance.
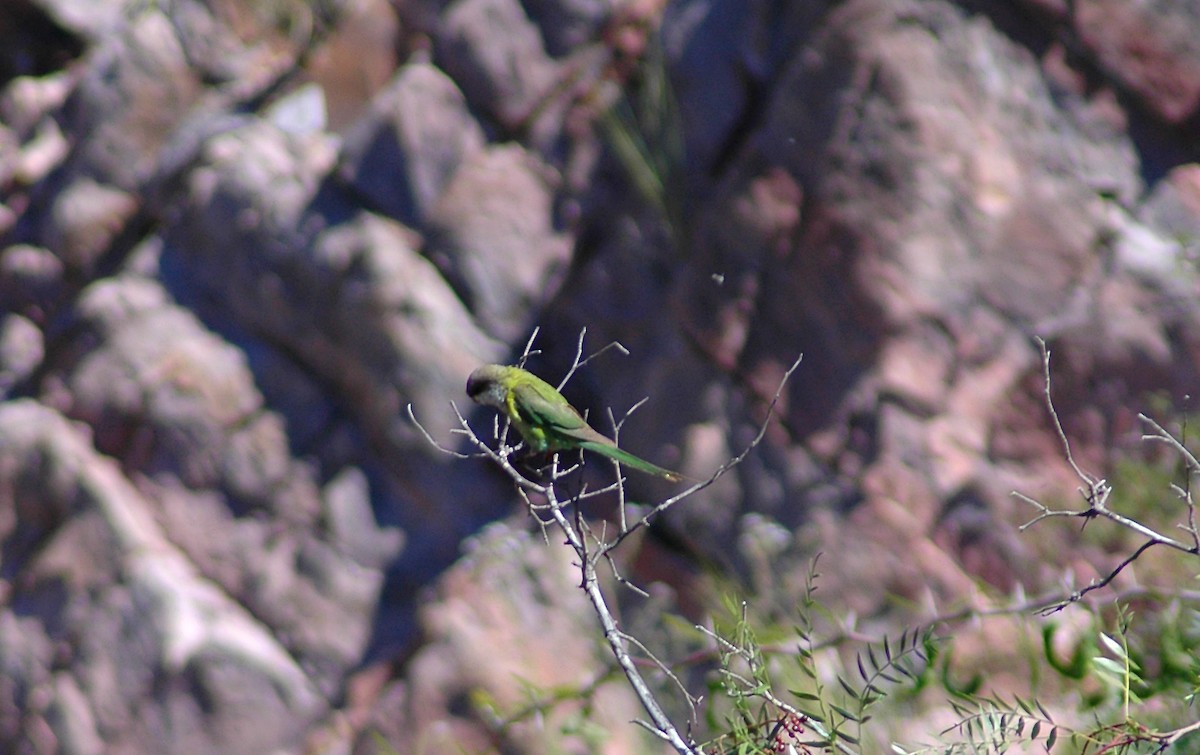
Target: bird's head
{"points": [[487, 385]]}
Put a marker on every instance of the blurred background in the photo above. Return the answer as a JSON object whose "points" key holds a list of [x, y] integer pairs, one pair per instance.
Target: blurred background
{"points": [[239, 239]]}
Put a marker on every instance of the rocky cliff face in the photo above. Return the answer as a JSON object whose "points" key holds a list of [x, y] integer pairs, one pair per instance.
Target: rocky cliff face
{"points": [[237, 242]]}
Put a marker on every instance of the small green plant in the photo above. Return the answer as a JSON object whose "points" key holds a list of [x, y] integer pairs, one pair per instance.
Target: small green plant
{"points": [[829, 715], [644, 130], [993, 724]]}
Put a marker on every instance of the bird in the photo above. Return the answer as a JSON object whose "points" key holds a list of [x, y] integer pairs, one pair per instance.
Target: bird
{"points": [[544, 417]]}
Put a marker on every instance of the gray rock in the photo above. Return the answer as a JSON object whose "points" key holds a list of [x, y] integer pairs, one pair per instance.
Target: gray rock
{"points": [[162, 623], [495, 53], [31, 280], [21, 350], [85, 219], [1173, 209], [492, 233], [352, 526], [1148, 47], [135, 90], [301, 111], [506, 585], [349, 296], [92, 20], [70, 717], [403, 154], [567, 25], [216, 516], [26, 100]]}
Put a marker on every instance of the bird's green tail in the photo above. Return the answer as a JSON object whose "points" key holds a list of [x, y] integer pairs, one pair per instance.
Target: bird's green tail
{"points": [[631, 461]]}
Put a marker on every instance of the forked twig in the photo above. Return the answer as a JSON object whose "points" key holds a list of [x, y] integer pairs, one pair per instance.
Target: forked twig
{"points": [[580, 360], [433, 441], [1160, 435], [1097, 492], [659, 508], [529, 351]]}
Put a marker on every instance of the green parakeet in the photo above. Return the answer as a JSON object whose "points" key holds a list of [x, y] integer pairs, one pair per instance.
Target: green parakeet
{"points": [[545, 419]]}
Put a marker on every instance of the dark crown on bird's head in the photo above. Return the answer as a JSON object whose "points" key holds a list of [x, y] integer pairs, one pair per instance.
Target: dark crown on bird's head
{"points": [[485, 386]]}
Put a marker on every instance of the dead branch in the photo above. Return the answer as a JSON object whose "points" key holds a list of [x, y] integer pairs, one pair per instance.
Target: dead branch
{"points": [[1096, 493]]}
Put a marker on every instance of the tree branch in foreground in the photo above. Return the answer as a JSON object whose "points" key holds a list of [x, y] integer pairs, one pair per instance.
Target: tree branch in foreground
{"points": [[1096, 493], [552, 509]]}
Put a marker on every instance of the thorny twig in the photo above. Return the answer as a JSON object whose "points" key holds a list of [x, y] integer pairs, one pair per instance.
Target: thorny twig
{"points": [[543, 500], [1097, 492]]}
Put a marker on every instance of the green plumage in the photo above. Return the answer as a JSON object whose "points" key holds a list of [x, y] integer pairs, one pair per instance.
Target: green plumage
{"points": [[544, 418]]}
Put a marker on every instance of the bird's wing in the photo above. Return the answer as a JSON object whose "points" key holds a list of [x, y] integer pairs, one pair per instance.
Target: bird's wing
{"points": [[558, 426], [543, 406]]}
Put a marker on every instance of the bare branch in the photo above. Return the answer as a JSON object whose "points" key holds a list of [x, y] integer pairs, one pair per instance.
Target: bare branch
{"points": [[529, 350], [576, 535], [617, 425], [430, 439], [720, 472], [579, 360], [666, 670], [1087, 478], [1045, 512], [621, 580], [1098, 492], [545, 505], [618, 644], [1190, 461], [1042, 605], [1171, 737], [1161, 435], [1098, 584]]}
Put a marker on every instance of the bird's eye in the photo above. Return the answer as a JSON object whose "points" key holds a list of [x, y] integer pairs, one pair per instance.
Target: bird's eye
{"points": [[476, 387]]}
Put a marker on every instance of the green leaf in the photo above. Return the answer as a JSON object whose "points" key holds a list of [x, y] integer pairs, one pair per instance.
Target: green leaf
{"points": [[846, 686], [1109, 665], [1045, 713], [1113, 646]]}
